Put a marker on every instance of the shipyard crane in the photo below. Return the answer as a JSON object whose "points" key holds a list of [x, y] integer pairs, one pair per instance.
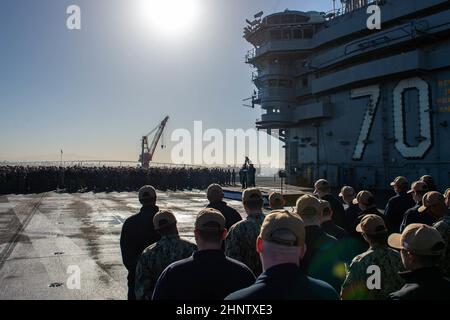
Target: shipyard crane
{"points": [[147, 151]]}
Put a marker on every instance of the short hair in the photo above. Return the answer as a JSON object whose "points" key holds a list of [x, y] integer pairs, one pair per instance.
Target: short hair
{"points": [[324, 188], [378, 238], [213, 234], [276, 202], [147, 201], [254, 202], [168, 230]]}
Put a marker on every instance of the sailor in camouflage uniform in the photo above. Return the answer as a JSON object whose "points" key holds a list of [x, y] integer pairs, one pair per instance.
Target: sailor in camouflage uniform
{"points": [[434, 203], [159, 255], [241, 241], [355, 286]]}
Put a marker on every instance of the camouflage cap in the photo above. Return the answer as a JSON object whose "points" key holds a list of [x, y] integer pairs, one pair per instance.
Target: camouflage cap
{"points": [[430, 199], [364, 197], [308, 205], [347, 191], [371, 224], [209, 216], [418, 239], [400, 181], [163, 219], [283, 228], [147, 192], [418, 186], [251, 194]]}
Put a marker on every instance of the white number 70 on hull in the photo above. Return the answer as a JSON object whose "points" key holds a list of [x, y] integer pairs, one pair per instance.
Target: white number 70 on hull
{"points": [[407, 151]]}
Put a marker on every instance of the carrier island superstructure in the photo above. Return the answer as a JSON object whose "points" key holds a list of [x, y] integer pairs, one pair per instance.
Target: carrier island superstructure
{"points": [[355, 105]]}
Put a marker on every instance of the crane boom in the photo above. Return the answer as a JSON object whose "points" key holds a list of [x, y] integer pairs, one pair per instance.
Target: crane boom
{"points": [[148, 152]]}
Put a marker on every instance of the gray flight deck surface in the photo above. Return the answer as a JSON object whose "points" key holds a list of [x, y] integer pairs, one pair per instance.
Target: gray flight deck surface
{"points": [[42, 235]]}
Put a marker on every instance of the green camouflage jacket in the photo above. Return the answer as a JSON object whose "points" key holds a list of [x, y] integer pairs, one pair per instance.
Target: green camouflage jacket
{"points": [[155, 259], [241, 242]]}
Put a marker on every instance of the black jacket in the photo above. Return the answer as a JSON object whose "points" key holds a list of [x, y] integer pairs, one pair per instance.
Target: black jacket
{"points": [[413, 215], [231, 215], [334, 230], [206, 275], [423, 284], [372, 210], [395, 210], [285, 282], [322, 256], [351, 217], [137, 234], [338, 209]]}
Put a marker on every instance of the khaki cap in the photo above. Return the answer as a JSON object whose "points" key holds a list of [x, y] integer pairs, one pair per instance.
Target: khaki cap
{"points": [[447, 193], [147, 192], [346, 191], [371, 224], [214, 191], [277, 223], [163, 219], [399, 182], [364, 197], [308, 205], [418, 239], [427, 179], [207, 216], [251, 194], [418, 186], [275, 196], [430, 199], [321, 183]]}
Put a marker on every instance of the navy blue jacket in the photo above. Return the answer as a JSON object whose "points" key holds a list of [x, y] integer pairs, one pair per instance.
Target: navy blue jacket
{"points": [[137, 234], [351, 217], [413, 215], [337, 208], [206, 275], [231, 215], [285, 282], [395, 210], [423, 284], [334, 230], [322, 257]]}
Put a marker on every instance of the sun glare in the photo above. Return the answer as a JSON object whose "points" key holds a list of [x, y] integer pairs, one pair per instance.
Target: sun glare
{"points": [[170, 17]]}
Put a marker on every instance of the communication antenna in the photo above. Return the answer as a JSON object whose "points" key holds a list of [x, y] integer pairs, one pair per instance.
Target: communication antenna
{"points": [[259, 15]]}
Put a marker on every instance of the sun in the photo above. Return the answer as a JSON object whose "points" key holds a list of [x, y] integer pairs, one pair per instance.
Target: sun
{"points": [[169, 17]]}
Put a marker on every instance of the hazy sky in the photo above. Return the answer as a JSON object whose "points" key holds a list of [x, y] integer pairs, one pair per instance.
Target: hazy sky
{"points": [[94, 92]]}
